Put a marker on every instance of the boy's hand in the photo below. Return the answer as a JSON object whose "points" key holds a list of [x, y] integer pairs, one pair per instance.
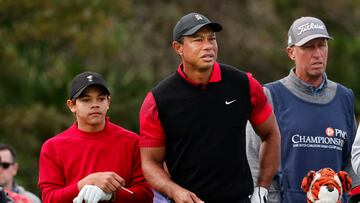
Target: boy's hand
{"points": [[108, 182]]}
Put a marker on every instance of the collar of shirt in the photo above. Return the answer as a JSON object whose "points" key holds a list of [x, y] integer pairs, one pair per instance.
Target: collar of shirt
{"points": [[214, 77], [15, 188], [308, 87]]}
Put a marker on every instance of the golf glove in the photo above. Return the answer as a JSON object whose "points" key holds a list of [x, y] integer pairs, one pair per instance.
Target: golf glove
{"points": [[91, 194], [259, 195]]}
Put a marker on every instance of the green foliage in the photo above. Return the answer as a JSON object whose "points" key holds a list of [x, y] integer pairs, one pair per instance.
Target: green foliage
{"points": [[26, 128], [44, 44]]}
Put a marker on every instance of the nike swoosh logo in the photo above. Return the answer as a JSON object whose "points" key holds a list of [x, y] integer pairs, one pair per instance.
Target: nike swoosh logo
{"points": [[229, 102]]}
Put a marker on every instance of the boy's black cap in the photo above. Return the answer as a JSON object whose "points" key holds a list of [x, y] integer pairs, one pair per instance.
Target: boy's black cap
{"points": [[83, 80], [191, 23]]}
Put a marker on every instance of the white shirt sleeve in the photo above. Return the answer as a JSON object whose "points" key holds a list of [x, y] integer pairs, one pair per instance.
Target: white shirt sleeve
{"points": [[355, 153]]}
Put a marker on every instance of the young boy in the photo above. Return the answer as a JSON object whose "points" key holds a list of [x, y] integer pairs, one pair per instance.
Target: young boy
{"points": [[93, 160]]}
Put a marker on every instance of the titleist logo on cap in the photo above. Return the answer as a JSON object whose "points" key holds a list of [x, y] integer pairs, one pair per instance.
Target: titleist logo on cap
{"points": [[305, 29], [309, 26]]}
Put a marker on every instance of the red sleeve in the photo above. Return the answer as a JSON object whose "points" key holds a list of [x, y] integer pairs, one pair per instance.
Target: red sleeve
{"points": [[52, 178], [138, 185], [151, 131], [260, 107]]}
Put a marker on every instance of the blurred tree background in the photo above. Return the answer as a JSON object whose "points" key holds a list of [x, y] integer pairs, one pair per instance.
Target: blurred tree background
{"points": [[44, 44]]}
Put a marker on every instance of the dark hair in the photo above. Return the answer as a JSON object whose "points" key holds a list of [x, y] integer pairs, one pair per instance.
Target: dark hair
{"points": [[180, 40], [10, 148]]}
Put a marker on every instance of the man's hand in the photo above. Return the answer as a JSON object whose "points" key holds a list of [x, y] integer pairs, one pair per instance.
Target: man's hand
{"points": [[91, 194], [108, 182], [185, 196], [259, 195]]}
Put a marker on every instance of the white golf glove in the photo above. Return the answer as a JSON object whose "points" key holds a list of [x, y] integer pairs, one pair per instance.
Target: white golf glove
{"points": [[91, 194], [259, 195]]}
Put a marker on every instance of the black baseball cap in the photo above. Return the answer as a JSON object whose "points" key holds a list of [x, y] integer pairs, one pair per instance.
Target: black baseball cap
{"points": [[84, 80], [191, 23]]}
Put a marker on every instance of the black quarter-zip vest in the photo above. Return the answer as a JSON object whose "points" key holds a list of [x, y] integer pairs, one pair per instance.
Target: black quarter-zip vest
{"points": [[205, 134]]}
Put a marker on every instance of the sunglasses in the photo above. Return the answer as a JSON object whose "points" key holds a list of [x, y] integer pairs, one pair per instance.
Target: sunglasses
{"points": [[5, 165]]}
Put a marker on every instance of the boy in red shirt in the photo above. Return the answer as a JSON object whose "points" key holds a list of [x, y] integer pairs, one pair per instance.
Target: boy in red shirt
{"points": [[93, 160]]}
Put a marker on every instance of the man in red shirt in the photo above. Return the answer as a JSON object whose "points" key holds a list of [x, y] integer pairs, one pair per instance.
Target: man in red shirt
{"points": [[195, 120]]}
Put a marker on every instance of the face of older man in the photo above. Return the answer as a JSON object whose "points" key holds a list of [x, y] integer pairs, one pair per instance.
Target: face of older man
{"points": [[8, 169], [310, 60]]}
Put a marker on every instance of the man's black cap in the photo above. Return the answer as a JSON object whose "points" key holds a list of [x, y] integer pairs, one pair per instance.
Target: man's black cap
{"points": [[84, 80], [191, 23]]}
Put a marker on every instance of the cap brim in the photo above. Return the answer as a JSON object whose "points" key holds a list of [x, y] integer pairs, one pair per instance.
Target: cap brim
{"points": [[78, 93], [311, 37], [216, 27]]}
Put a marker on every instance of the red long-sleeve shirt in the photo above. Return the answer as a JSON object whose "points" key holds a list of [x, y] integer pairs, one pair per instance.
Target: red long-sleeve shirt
{"points": [[73, 154]]}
